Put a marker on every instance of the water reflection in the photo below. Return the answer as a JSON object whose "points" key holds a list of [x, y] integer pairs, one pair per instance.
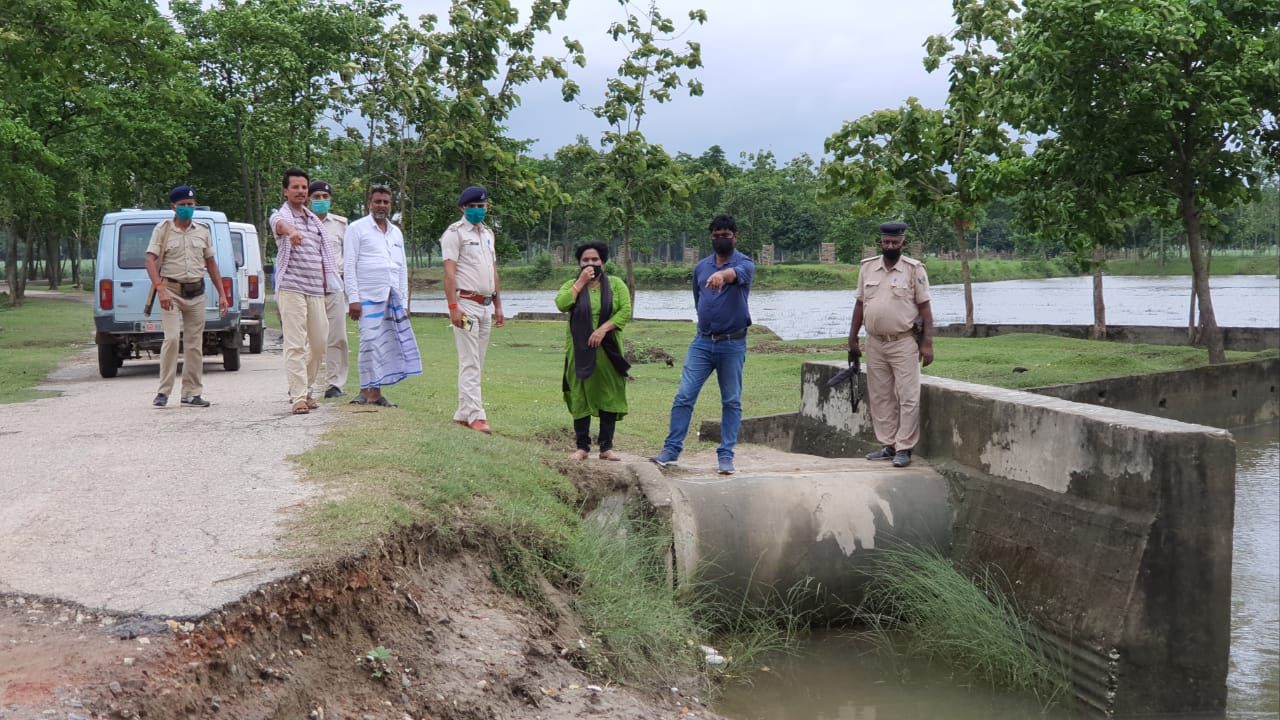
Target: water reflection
{"points": [[839, 678], [1238, 301]]}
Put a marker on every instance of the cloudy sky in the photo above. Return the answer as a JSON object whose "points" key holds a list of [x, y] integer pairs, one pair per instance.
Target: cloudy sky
{"points": [[778, 75]]}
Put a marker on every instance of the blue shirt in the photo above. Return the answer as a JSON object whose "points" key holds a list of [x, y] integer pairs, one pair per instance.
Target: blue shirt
{"points": [[725, 310]]}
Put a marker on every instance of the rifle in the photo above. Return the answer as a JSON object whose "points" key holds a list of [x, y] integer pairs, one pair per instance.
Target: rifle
{"points": [[851, 374], [151, 296]]}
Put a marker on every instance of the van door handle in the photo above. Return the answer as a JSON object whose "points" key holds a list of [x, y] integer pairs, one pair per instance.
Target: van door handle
{"points": [[126, 284]]}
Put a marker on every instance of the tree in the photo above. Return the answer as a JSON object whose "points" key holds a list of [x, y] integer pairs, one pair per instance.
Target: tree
{"points": [[936, 157], [635, 178], [1173, 101]]}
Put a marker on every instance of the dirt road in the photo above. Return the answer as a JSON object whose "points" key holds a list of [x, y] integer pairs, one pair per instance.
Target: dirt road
{"points": [[111, 503]]}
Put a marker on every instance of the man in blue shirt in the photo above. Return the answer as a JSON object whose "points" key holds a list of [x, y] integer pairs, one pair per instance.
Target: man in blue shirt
{"points": [[721, 284]]}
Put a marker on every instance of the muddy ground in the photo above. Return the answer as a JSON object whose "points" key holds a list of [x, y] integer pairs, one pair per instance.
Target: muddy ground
{"points": [[458, 649]]}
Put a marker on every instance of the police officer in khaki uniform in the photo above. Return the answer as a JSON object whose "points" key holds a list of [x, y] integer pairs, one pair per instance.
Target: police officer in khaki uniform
{"points": [[336, 353], [471, 290], [178, 278], [893, 295]]}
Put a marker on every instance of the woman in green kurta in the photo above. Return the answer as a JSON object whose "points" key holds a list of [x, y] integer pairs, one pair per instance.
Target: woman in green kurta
{"points": [[595, 373]]}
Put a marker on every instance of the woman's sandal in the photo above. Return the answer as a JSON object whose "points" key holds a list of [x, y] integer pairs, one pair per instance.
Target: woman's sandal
{"points": [[300, 408], [610, 455], [579, 455]]}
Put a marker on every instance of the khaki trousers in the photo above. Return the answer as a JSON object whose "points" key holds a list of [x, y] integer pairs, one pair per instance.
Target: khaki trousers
{"points": [[893, 390], [186, 318], [306, 330], [336, 354], [472, 345]]}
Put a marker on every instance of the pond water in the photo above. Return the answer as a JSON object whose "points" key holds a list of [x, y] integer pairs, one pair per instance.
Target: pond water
{"points": [[1238, 301], [836, 677]]}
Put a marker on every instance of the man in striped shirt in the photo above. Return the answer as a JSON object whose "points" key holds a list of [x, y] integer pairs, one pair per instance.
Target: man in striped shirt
{"points": [[305, 270]]}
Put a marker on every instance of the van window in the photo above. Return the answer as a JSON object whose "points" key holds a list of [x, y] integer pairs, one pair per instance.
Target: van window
{"points": [[132, 249], [237, 244]]}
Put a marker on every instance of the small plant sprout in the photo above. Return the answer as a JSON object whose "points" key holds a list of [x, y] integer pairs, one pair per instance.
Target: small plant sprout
{"points": [[378, 660]]}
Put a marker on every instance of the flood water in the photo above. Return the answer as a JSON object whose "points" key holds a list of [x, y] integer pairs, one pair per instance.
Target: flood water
{"points": [[1238, 301], [839, 678]]}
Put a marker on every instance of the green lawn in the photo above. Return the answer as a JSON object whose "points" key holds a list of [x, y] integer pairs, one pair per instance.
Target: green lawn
{"points": [[35, 338]]}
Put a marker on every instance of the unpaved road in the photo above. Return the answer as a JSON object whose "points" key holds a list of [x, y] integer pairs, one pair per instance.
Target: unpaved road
{"points": [[114, 504]]}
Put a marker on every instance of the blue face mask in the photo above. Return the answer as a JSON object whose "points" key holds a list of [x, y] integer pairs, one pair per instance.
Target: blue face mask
{"points": [[320, 207], [475, 216], [185, 212]]}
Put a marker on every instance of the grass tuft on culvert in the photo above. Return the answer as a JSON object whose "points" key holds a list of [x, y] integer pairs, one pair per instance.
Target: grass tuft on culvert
{"points": [[964, 620]]}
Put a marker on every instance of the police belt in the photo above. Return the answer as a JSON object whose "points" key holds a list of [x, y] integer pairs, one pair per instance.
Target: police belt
{"points": [[475, 297], [716, 337], [185, 290], [892, 337]]}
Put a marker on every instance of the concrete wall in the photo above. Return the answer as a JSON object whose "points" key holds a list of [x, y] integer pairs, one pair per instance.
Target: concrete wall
{"points": [[1246, 339], [1225, 396], [1114, 528]]}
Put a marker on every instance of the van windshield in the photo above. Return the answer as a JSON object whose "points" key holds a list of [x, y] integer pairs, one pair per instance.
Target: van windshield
{"points": [[237, 244]]}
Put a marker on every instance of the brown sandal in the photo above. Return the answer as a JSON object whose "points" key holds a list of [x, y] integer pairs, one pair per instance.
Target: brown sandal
{"points": [[300, 408], [311, 404], [578, 455], [610, 455]]}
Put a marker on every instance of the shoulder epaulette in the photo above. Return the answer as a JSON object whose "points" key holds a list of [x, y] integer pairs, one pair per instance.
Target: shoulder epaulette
{"points": [[869, 259]]}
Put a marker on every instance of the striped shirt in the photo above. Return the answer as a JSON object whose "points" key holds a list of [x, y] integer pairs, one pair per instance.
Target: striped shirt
{"points": [[309, 268]]}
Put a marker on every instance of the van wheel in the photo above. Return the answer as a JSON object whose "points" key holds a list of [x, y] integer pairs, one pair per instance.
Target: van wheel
{"points": [[108, 360], [255, 341], [231, 359]]}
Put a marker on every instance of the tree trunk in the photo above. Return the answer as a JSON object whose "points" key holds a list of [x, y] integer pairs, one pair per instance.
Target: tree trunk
{"points": [[53, 261], [1099, 307], [968, 283], [1200, 273], [626, 263], [11, 275]]}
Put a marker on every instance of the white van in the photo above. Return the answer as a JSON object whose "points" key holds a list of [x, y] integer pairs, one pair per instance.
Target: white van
{"points": [[122, 329], [253, 288]]}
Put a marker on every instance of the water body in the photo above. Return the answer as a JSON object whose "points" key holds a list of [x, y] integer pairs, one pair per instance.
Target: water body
{"points": [[1238, 301], [840, 678]]}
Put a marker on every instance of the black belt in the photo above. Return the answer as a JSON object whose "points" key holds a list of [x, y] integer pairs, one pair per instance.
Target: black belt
{"points": [[725, 336], [894, 337], [475, 297], [187, 290]]}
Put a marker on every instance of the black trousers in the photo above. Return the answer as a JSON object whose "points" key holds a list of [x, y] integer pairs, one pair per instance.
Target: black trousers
{"points": [[582, 428]]}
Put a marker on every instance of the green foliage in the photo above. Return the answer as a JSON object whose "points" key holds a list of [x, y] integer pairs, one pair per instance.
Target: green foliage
{"points": [[542, 269], [967, 621], [34, 338]]}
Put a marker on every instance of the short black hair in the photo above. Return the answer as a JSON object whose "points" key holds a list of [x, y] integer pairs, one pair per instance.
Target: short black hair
{"points": [[383, 188], [294, 172], [724, 222], [597, 246]]}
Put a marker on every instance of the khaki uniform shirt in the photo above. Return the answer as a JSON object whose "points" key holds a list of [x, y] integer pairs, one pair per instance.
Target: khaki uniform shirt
{"points": [[335, 226], [472, 248], [184, 250], [890, 297]]}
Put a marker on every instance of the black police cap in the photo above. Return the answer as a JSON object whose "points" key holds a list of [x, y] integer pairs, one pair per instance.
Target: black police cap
{"points": [[893, 229]]}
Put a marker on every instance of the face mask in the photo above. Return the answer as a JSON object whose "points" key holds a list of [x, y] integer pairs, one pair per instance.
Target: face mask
{"points": [[475, 216], [892, 255], [722, 246], [320, 207], [185, 212]]}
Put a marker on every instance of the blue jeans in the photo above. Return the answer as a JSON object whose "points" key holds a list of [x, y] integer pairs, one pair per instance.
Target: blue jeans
{"points": [[726, 358]]}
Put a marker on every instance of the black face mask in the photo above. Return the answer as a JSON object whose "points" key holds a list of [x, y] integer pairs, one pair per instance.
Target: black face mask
{"points": [[598, 270], [892, 255], [722, 246]]}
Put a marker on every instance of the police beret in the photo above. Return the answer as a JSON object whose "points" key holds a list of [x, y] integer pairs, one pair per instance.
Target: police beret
{"points": [[319, 186], [473, 194], [182, 192], [893, 229]]}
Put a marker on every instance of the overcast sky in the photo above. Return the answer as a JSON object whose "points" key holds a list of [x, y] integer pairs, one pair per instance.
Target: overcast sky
{"points": [[778, 75]]}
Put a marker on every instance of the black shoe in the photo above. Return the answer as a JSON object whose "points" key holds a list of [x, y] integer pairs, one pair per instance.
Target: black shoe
{"points": [[884, 453], [161, 400], [333, 392], [195, 401]]}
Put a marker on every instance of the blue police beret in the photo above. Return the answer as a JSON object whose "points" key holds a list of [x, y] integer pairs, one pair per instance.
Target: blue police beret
{"points": [[473, 194], [182, 192], [319, 186], [893, 229]]}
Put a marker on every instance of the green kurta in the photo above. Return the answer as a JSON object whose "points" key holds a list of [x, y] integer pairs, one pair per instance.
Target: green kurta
{"points": [[605, 389]]}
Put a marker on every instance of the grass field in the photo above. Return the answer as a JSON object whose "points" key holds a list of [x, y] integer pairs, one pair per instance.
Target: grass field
{"points": [[35, 338]]}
